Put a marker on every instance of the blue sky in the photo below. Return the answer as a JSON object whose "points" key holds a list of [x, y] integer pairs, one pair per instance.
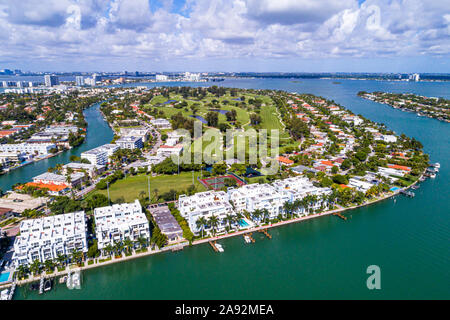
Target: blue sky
{"points": [[226, 35]]}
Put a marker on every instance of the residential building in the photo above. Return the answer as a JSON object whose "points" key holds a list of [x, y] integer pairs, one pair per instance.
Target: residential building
{"points": [[119, 222], [92, 170], [205, 204], [28, 148], [101, 154], [46, 238], [58, 179], [359, 185], [79, 81], [167, 151], [51, 80], [255, 196], [161, 123], [130, 142]]}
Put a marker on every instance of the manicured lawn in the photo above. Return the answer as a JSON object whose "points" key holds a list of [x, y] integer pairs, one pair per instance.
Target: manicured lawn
{"points": [[132, 186]]}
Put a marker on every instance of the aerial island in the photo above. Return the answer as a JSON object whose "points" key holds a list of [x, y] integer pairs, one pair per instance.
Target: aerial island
{"points": [[128, 198], [436, 108]]}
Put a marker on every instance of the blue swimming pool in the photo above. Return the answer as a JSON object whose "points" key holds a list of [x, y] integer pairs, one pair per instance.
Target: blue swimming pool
{"points": [[243, 223], [4, 277], [394, 188]]}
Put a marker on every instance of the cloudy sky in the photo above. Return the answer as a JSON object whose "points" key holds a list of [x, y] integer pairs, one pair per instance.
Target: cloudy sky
{"points": [[226, 35]]}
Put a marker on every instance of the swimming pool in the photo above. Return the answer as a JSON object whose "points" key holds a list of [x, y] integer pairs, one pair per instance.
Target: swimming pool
{"points": [[394, 188], [4, 277], [243, 223]]}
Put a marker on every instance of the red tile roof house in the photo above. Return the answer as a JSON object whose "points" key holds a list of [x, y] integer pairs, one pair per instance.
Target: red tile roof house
{"points": [[396, 166], [285, 161]]}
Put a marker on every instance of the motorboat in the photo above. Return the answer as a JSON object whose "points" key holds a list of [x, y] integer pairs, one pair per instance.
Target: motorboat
{"points": [[4, 294], [48, 284], [219, 247]]}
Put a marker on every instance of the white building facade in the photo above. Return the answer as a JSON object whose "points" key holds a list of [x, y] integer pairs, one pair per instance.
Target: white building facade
{"points": [[119, 222], [46, 238]]}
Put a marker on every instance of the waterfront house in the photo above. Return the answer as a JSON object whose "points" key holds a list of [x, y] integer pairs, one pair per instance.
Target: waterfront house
{"points": [[46, 238], [119, 222]]}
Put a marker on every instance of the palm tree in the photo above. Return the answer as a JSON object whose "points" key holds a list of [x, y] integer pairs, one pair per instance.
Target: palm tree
{"points": [[118, 247], [265, 214], [49, 265], [61, 259], [108, 249], [155, 193], [35, 267], [287, 208], [128, 244], [22, 270], [142, 194], [213, 221], [77, 256], [230, 219], [142, 242], [256, 215], [200, 223]]}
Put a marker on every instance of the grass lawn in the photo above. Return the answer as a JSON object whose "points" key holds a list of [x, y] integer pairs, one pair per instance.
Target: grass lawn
{"points": [[132, 186]]}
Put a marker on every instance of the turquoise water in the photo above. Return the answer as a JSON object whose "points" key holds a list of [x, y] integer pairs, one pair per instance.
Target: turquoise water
{"points": [[98, 133], [4, 277], [324, 258]]}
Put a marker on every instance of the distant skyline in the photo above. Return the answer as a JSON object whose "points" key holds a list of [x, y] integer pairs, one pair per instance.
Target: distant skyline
{"points": [[398, 36]]}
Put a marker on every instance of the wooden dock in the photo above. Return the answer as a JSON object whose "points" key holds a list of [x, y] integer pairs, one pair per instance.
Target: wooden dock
{"points": [[408, 193], [266, 233], [213, 245], [338, 214]]}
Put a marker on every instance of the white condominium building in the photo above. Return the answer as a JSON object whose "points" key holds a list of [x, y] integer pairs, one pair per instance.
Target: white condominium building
{"points": [[91, 169], [29, 148], [296, 188], [130, 142], [161, 123], [119, 222], [100, 155], [255, 196], [205, 204], [45, 238]]}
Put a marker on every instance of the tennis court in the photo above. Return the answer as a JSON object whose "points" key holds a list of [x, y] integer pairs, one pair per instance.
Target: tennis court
{"points": [[218, 183]]}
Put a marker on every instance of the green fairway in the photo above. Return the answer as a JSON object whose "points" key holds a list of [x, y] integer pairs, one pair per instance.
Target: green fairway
{"points": [[131, 187]]}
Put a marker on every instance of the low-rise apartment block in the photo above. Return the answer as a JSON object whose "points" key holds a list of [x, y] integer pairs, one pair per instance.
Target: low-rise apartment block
{"points": [[119, 222], [205, 204], [46, 238]]}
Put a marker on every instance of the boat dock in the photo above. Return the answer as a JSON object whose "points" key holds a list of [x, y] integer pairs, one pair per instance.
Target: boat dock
{"points": [[213, 245], [41, 285], [338, 214], [266, 233], [251, 238], [408, 193]]}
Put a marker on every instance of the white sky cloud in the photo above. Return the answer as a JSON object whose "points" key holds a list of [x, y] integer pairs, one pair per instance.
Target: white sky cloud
{"points": [[59, 30]]}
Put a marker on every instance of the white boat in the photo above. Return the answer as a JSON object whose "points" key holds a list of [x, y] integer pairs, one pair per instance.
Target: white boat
{"points": [[219, 247], [432, 175], [76, 279], [247, 239], [437, 165], [4, 295]]}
